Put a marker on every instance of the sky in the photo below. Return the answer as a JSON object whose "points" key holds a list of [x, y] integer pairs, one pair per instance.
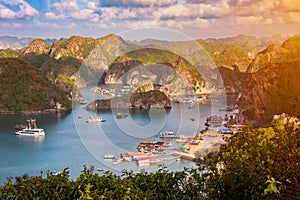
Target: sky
{"points": [[194, 18]]}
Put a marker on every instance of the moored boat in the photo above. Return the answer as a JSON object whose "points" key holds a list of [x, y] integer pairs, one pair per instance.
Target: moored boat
{"points": [[109, 156], [30, 130], [167, 134], [95, 119]]}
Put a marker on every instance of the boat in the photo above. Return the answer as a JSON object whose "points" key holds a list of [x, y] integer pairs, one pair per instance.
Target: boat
{"points": [[95, 120], [109, 156], [100, 169], [30, 130], [168, 134], [225, 130], [82, 101]]}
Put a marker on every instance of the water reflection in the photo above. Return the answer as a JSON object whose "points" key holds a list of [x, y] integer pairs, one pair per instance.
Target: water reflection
{"points": [[36, 140]]}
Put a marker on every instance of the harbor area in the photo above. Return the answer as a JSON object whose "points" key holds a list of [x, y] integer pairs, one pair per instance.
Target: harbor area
{"points": [[172, 147]]}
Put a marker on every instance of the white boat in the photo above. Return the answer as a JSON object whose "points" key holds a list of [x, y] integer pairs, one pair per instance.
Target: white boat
{"points": [[31, 132], [31, 129], [109, 156], [167, 134], [95, 120], [83, 101]]}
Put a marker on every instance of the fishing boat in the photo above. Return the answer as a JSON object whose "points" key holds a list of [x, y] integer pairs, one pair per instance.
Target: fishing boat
{"points": [[168, 134], [30, 130], [95, 119]]}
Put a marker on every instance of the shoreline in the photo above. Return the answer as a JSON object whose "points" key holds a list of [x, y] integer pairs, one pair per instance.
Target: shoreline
{"points": [[39, 112]]}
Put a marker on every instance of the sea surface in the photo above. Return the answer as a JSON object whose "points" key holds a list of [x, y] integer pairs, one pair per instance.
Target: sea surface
{"points": [[71, 142]]}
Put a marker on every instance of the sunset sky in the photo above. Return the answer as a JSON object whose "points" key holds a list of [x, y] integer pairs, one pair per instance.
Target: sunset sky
{"points": [[195, 18]]}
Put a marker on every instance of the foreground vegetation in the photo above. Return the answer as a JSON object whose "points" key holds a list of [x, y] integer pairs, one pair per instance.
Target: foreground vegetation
{"points": [[256, 164]]}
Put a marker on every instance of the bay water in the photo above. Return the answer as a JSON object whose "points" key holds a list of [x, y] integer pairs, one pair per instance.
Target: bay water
{"points": [[71, 142]]}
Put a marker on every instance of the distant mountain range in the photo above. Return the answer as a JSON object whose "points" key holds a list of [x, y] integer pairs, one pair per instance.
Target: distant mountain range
{"points": [[255, 64], [17, 43]]}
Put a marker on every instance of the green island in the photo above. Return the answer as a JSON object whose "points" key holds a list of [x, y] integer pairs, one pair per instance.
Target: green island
{"points": [[274, 172]]}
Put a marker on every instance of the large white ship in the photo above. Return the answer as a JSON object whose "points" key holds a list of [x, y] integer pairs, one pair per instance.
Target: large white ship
{"points": [[30, 130]]}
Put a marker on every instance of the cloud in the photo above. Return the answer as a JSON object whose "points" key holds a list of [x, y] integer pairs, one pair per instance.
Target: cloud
{"points": [[72, 25], [6, 13], [83, 14], [136, 3], [24, 10], [11, 25]]}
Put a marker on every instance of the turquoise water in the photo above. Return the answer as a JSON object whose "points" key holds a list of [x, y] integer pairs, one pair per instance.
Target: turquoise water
{"points": [[71, 142]]}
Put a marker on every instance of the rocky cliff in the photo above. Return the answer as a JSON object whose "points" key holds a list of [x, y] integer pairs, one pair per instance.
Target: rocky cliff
{"points": [[37, 46], [158, 66]]}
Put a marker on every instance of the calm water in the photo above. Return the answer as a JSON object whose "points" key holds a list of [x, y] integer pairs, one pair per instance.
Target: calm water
{"points": [[71, 142]]}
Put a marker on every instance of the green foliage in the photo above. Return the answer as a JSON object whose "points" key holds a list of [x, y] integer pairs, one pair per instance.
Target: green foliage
{"points": [[89, 185], [272, 188], [252, 157], [25, 88]]}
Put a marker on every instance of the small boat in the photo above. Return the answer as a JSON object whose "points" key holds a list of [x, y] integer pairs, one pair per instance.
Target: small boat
{"points": [[168, 134], [109, 156], [95, 120], [83, 101], [30, 130], [100, 169]]}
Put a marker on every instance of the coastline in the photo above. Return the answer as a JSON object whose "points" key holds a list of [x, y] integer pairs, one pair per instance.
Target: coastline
{"points": [[35, 112]]}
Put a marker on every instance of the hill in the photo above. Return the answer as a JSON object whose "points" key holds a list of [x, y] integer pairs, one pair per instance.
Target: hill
{"points": [[272, 90], [289, 51], [24, 88]]}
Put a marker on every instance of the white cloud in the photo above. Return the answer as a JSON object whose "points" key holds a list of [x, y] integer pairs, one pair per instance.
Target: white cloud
{"points": [[149, 3], [6, 13], [25, 10], [83, 14]]}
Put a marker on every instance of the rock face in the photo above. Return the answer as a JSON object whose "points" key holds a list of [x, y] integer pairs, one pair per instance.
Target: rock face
{"points": [[272, 90], [233, 80], [37, 46], [117, 71], [158, 66]]}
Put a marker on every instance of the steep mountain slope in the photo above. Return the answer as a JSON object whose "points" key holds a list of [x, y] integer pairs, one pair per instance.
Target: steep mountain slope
{"points": [[289, 51], [24, 88], [275, 89], [161, 69]]}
